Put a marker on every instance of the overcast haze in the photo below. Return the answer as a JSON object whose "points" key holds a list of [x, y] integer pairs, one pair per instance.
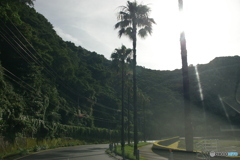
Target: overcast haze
{"points": [[212, 29]]}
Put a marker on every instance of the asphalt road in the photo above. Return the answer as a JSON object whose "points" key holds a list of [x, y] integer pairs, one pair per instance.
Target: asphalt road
{"points": [[147, 153], [89, 152]]}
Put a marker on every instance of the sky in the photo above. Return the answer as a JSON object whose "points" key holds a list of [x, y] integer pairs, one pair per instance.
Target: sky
{"points": [[212, 29]]}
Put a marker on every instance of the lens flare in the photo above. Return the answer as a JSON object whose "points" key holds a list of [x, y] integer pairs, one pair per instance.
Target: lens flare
{"points": [[224, 108], [199, 83]]}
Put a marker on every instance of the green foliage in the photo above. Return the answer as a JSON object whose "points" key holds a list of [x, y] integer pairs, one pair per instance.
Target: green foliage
{"points": [[36, 148], [23, 152], [129, 151], [57, 79]]}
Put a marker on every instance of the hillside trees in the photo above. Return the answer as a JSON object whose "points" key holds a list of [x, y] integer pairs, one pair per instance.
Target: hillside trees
{"points": [[11, 111], [56, 80]]}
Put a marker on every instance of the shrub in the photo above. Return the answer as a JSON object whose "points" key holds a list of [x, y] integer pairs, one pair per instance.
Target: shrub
{"points": [[44, 147], [23, 152], [36, 148]]}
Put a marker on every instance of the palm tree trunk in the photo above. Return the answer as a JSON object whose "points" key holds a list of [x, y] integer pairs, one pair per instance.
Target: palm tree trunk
{"points": [[122, 130], [144, 122], [128, 115], [135, 88], [186, 95]]}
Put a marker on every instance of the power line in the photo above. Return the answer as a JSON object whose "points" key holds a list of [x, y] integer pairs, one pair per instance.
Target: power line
{"points": [[35, 90], [35, 59], [55, 73], [18, 78], [95, 118], [12, 45], [39, 63]]}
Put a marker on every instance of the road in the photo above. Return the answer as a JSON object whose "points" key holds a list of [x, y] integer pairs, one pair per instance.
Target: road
{"points": [[146, 152], [91, 152]]}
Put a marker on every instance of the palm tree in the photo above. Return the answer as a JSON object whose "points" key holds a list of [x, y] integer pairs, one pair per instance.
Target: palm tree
{"points": [[132, 19], [129, 88], [144, 99], [119, 56], [187, 106]]}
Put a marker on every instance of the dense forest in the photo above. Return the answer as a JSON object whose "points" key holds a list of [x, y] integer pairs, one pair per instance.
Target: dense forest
{"points": [[51, 88]]}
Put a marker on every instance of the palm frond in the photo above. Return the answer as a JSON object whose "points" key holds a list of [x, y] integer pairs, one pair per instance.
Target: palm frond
{"points": [[148, 29], [144, 21], [128, 52], [134, 12], [142, 32], [123, 16], [151, 20], [121, 32], [119, 56], [125, 23], [114, 55], [129, 32], [117, 25], [143, 10]]}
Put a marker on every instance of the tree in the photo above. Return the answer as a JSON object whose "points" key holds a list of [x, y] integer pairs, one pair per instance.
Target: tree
{"points": [[144, 100], [186, 95], [29, 2], [132, 19], [129, 88], [119, 56]]}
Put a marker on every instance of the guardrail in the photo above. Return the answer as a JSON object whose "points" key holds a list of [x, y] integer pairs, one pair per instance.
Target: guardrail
{"points": [[171, 144]]}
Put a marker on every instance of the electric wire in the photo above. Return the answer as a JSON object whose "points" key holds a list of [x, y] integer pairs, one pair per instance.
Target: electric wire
{"points": [[18, 78], [16, 49], [56, 76], [22, 48], [35, 60], [21, 55], [95, 118], [36, 91]]}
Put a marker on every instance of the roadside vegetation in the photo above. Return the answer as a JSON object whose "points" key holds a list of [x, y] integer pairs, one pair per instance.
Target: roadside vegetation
{"points": [[128, 150], [25, 146]]}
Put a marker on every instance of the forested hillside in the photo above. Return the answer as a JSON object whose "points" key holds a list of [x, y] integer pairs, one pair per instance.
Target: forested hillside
{"points": [[218, 82], [52, 88]]}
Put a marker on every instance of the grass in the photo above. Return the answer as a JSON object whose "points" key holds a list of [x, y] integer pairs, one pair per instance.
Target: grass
{"points": [[129, 150]]}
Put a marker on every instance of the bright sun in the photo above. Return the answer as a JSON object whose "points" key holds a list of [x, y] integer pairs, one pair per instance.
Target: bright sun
{"points": [[211, 28]]}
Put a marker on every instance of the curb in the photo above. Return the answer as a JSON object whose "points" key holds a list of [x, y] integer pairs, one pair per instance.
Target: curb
{"points": [[157, 146]]}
